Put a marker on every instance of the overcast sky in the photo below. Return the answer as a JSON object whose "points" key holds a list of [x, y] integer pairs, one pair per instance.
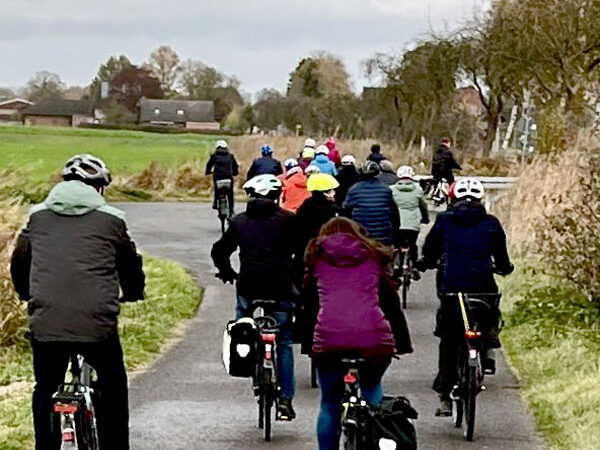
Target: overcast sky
{"points": [[259, 41]]}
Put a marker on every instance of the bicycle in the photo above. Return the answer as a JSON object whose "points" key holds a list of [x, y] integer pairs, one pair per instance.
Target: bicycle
{"points": [[470, 370], [355, 410], [438, 191], [265, 381], [74, 410], [223, 187], [403, 270]]}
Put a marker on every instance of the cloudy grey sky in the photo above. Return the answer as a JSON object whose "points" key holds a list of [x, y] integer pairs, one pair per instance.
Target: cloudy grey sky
{"points": [[259, 41]]}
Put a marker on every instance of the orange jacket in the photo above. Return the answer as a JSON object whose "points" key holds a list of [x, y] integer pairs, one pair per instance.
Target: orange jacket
{"points": [[294, 192]]}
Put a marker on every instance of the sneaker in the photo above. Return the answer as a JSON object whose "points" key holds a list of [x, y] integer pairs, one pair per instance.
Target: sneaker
{"points": [[285, 411], [445, 409]]}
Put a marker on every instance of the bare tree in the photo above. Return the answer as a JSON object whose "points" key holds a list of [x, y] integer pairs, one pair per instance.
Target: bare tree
{"points": [[45, 84], [164, 65]]}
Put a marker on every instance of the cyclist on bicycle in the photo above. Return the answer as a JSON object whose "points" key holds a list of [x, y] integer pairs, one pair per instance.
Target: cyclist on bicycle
{"points": [[334, 154], [350, 309], [223, 166], [443, 162], [472, 246], [264, 165], [347, 176], [370, 203], [376, 155], [410, 199], [387, 175], [264, 234], [323, 162], [294, 191], [68, 264]]}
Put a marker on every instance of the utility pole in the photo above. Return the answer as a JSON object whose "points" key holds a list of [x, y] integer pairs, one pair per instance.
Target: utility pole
{"points": [[525, 138]]}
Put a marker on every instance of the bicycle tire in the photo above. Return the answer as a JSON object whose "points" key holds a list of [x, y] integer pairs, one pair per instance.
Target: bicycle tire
{"points": [[457, 412], [267, 405], [405, 287], [261, 411], [85, 431], [223, 220], [350, 439], [470, 403], [313, 375]]}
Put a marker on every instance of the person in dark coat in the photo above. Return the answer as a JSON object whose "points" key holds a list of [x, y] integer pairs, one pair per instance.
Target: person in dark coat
{"points": [[265, 165], [387, 175], [347, 176], [350, 309], [68, 264], [370, 203], [376, 155], [443, 162], [223, 166], [472, 246], [264, 234]]}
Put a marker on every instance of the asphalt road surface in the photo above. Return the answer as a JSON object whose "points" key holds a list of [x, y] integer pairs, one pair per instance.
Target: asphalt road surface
{"points": [[187, 401]]}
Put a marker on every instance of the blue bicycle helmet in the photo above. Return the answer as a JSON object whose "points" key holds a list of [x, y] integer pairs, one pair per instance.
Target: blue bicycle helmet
{"points": [[266, 150]]}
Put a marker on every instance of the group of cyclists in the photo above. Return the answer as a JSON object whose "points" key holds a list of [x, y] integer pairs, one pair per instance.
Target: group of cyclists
{"points": [[317, 236]]}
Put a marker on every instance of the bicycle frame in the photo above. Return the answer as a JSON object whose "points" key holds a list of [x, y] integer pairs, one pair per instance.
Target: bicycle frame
{"points": [[354, 410]]}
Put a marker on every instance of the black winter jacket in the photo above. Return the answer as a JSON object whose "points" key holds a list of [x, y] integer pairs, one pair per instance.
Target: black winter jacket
{"points": [[264, 165], [443, 163], [472, 245], [68, 264], [312, 214], [347, 176], [264, 235], [376, 157], [222, 164]]}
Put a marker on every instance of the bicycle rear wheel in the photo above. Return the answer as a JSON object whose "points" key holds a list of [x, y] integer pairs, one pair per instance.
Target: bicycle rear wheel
{"points": [[261, 411], [267, 401], [405, 287], [457, 412], [350, 437], [313, 375], [470, 401], [85, 430]]}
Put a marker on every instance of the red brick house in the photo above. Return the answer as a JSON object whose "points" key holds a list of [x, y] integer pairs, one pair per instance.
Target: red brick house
{"points": [[59, 112]]}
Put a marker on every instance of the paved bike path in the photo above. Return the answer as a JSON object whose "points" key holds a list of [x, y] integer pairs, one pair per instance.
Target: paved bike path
{"points": [[186, 400]]}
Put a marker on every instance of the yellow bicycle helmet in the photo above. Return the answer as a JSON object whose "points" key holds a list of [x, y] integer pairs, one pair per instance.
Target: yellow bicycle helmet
{"points": [[321, 182]]}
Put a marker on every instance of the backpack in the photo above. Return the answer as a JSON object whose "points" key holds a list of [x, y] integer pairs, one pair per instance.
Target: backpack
{"points": [[391, 425], [240, 340]]}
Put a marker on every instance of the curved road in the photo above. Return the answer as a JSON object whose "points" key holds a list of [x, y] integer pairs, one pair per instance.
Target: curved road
{"points": [[186, 400]]}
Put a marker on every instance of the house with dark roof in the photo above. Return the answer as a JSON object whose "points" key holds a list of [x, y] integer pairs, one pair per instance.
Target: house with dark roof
{"points": [[59, 112], [192, 114], [10, 109]]}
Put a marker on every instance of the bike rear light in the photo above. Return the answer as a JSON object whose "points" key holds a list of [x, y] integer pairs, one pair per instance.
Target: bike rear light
{"points": [[472, 334], [268, 337], [65, 408], [68, 436], [268, 355], [350, 378]]}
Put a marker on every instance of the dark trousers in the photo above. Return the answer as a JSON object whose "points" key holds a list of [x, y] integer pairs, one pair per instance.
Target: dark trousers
{"points": [[50, 362], [408, 238], [230, 199]]}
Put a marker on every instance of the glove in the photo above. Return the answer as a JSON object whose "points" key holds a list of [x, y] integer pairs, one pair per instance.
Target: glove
{"points": [[227, 276], [425, 221]]}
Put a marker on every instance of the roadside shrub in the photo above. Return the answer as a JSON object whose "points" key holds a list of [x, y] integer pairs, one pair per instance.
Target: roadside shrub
{"points": [[555, 214]]}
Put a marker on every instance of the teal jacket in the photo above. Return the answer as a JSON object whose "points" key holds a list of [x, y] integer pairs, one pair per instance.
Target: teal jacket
{"points": [[409, 198]]}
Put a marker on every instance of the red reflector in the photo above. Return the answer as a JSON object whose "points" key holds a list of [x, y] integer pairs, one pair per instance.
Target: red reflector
{"points": [[68, 436], [67, 409], [472, 334], [350, 378], [268, 337], [268, 355]]}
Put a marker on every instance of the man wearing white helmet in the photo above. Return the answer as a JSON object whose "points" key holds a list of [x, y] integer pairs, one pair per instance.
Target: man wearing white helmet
{"points": [[223, 166], [322, 161], [472, 246], [347, 176], [264, 233]]}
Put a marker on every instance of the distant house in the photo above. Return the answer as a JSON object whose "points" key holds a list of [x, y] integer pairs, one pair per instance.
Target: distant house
{"points": [[59, 112], [192, 114], [10, 109]]}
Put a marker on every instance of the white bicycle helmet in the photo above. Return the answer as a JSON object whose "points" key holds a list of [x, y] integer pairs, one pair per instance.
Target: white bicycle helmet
{"points": [[263, 186], [221, 144], [310, 143], [312, 169], [348, 160], [87, 168], [468, 187], [289, 163], [322, 150], [406, 172]]}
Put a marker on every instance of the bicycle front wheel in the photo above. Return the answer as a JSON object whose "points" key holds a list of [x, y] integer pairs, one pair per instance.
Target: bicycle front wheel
{"points": [[470, 401], [350, 438]]}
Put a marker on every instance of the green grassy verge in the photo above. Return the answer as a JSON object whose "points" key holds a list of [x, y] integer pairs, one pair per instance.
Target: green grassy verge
{"points": [[552, 339], [38, 153], [145, 328]]}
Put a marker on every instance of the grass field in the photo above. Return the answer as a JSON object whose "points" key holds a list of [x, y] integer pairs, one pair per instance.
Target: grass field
{"points": [[145, 328], [38, 153]]}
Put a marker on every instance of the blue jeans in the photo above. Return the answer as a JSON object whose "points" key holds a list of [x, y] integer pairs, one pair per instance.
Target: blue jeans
{"points": [[332, 394], [285, 352]]}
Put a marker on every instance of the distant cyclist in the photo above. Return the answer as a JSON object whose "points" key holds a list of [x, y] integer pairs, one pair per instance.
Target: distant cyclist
{"points": [[347, 176], [387, 174], [370, 203], [322, 161], [264, 234], [265, 165], [288, 164], [472, 246], [410, 200], [443, 162], [376, 155], [223, 166], [307, 156], [350, 309], [68, 264], [334, 154]]}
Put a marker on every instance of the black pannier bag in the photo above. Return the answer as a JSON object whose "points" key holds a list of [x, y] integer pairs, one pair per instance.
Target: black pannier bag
{"points": [[240, 340], [391, 425]]}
